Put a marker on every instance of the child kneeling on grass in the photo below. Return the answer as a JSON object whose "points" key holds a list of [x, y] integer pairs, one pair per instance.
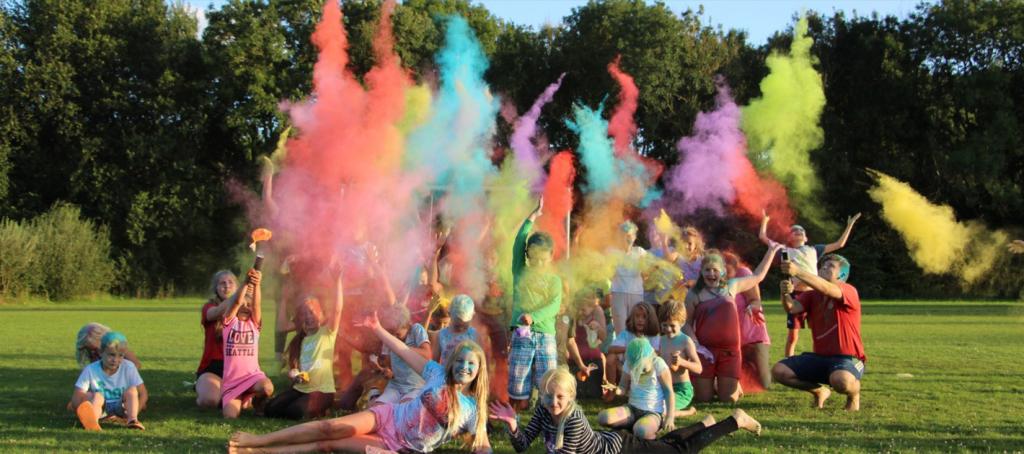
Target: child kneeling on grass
{"points": [[109, 386]]}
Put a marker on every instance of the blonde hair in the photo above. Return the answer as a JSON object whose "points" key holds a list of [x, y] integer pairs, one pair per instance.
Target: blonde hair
{"points": [[692, 232], [478, 389], [562, 378], [216, 278], [88, 336]]}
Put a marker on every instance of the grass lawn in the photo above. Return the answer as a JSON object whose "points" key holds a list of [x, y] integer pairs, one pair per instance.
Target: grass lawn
{"points": [[964, 391]]}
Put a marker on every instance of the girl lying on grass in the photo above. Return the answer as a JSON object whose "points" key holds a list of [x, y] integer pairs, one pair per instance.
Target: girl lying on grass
{"points": [[109, 386], [566, 430], [452, 402]]}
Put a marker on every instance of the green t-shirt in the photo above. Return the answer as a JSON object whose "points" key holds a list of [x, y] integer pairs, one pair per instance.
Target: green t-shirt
{"points": [[538, 293]]}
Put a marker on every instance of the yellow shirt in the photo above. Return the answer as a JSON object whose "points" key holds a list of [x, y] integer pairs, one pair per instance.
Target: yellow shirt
{"points": [[317, 359]]}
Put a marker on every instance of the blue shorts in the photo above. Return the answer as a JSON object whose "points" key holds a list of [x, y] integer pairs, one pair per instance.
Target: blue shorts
{"points": [[530, 358], [798, 321], [814, 368]]}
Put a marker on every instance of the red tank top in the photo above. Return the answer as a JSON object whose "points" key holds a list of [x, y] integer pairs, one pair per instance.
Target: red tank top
{"points": [[716, 323]]}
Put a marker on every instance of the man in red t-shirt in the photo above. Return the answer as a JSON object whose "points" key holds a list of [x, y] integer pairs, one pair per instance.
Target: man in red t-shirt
{"points": [[833, 313]]}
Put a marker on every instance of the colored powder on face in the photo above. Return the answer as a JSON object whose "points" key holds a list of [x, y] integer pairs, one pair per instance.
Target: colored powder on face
{"points": [[525, 129], [558, 200], [595, 149], [621, 126], [938, 243], [782, 126]]}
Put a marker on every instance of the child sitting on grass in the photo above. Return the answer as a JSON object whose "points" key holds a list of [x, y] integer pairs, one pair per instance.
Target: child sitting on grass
{"points": [[310, 356], [680, 353], [109, 386], [243, 379], [404, 381], [461, 309], [652, 402]]}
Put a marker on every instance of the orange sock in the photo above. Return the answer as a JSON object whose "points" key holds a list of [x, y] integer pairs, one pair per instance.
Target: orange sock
{"points": [[87, 416]]}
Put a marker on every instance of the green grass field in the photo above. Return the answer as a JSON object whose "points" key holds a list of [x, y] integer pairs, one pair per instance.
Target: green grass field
{"points": [[966, 392]]}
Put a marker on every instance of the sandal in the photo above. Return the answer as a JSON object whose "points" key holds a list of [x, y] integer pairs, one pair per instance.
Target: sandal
{"points": [[135, 424]]}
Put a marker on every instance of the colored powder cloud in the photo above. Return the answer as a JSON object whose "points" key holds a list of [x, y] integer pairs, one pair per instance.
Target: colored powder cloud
{"points": [[525, 129], [622, 126], [782, 126], [558, 200], [510, 202], [938, 243], [595, 149]]}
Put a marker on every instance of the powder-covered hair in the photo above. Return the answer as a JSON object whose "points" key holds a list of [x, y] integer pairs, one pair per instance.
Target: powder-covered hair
{"points": [[562, 378], [844, 265], [672, 311], [477, 389], [637, 352], [652, 328], [113, 339], [540, 239], [89, 337], [394, 318]]}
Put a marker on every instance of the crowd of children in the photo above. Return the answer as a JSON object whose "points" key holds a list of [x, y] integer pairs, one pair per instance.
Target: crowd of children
{"points": [[677, 325]]}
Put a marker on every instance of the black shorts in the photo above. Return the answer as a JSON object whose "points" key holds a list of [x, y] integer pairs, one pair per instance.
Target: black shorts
{"points": [[796, 321], [215, 367], [814, 368]]}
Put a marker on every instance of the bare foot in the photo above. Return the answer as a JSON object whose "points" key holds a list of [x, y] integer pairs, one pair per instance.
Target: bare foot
{"points": [[853, 402], [745, 422], [821, 394], [708, 421], [241, 440], [686, 412]]}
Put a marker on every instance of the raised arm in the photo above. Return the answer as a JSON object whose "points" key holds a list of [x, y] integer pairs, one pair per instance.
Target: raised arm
{"points": [[411, 357], [841, 242], [257, 298], [741, 284], [519, 245], [339, 303], [762, 234], [813, 280], [234, 302]]}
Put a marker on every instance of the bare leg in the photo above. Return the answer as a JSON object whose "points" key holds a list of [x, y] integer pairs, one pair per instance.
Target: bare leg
{"points": [[262, 391], [231, 408], [616, 417], [703, 389], [761, 360], [131, 403], [791, 342], [729, 390], [646, 427], [357, 443], [360, 423], [846, 383], [784, 375], [88, 408], [208, 390]]}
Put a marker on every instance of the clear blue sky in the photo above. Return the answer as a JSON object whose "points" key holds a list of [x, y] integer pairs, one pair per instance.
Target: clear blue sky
{"points": [[760, 18]]}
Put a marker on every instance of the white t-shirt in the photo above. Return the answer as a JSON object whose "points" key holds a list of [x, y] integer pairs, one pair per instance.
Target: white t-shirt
{"points": [[627, 277], [113, 387], [646, 392]]}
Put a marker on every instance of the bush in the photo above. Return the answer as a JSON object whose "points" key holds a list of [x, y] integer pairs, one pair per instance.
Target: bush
{"points": [[74, 255], [58, 255], [19, 271]]}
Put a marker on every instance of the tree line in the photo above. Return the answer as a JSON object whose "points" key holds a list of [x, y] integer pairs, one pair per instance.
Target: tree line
{"points": [[122, 109]]}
